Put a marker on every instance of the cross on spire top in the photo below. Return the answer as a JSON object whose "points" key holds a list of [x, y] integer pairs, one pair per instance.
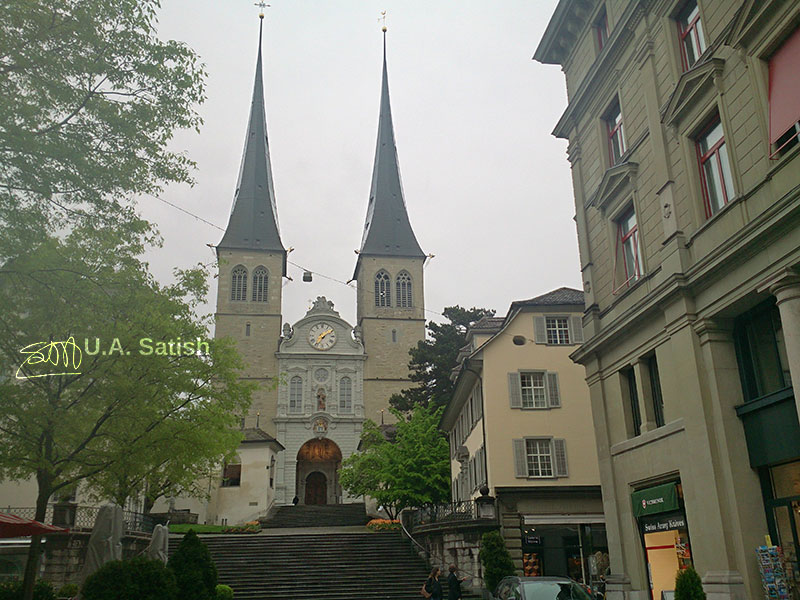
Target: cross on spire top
{"points": [[262, 5]]}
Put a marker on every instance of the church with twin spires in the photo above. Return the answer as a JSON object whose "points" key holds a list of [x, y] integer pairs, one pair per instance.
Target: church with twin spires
{"points": [[319, 378]]}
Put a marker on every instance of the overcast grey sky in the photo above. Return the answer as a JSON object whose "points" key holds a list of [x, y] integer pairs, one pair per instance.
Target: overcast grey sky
{"points": [[488, 189]]}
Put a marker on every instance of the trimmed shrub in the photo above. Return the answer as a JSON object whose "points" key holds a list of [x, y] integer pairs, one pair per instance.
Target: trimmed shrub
{"points": [[12, 590], [194, 570], [495, 559], [688, 585], [224, 592], [68, 590], [137, 579]]}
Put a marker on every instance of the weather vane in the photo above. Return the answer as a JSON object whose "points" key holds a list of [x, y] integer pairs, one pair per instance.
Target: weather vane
{"points": [[261, 5], [383, 18]]}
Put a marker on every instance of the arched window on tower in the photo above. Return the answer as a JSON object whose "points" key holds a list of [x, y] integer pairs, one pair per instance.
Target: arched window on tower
{"points": [[239, 284], [296, 395], [260, 281], [345, 395], [383, 289], [403, 287]]}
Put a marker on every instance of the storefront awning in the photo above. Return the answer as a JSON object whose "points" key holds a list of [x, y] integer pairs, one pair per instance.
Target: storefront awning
{"points": [[656, 499], [573, 519]]}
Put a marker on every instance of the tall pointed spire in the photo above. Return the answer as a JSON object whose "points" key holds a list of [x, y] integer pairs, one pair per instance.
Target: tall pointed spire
{"points": [[387, 230], [253, 224]]}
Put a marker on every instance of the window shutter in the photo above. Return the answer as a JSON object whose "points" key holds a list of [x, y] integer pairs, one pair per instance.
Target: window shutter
{"points": [[514, 391], [576, 330], [560, 458], [520, 459], [553, 392], [539, 330]]}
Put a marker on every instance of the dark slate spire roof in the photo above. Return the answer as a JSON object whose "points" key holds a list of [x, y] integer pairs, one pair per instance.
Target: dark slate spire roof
{"points": [[253, 224], [387, 230]]}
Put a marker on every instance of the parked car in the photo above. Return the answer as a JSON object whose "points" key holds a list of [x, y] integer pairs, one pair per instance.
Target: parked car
{"points": [[540, 588]]}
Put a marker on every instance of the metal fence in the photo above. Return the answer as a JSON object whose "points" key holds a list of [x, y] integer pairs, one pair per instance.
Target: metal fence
{"points": [[444, 513], [74, 516]]}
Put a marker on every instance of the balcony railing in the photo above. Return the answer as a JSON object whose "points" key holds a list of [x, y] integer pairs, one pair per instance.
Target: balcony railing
{"points": [[83, 517], [443, 513]]}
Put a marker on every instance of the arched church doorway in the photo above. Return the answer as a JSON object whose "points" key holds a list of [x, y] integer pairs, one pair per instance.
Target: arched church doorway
{"points": [[316, 488], [317, 480]]}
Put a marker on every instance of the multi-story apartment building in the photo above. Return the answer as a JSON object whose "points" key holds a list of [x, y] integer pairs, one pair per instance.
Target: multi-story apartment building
{"points": [[683, 122], [519, 423]]}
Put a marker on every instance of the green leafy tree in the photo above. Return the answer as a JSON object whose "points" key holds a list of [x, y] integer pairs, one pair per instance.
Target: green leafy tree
{"points": [[411, 470], [89, 100], [137, 579], [194, 570], [101, 407], [495, 559], [688, 585], [433, 360]]}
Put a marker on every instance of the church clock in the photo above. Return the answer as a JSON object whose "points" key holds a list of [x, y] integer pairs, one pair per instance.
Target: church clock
{"points": [[322, 336]]}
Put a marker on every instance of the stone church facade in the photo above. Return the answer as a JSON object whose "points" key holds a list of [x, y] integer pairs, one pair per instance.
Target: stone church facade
{"points": [[319, 377]]}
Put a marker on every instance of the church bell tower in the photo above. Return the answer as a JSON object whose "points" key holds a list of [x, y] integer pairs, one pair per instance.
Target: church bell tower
{"points": [[389, 273], [252, 263]]}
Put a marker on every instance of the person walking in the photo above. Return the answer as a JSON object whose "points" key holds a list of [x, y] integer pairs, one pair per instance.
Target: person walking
{"points": [[432, 587], [454, 584]]}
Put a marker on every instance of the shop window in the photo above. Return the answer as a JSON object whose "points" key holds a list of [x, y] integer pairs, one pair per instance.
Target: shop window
{"points": [[655, 390], [715, 168], [761, 352], [232, 475], [629, 382], [690, 29], [627, 262], [784, 96], [601, 29], [616, 134]]}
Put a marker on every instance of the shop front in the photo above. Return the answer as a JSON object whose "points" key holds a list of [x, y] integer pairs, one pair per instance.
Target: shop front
{"points": [[573, 546], [664, 532]]}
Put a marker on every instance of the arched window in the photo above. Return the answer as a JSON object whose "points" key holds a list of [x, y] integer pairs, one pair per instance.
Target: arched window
{"points": [[383, 291], [403, 287], [239, 284], [260, 280], [296, 395], [345, 395]]}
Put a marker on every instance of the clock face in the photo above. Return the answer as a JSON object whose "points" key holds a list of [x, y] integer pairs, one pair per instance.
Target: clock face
{"points": [[322, 336]]}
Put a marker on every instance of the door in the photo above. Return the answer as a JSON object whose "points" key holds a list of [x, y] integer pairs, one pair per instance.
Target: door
{"points": [[316, 488]]}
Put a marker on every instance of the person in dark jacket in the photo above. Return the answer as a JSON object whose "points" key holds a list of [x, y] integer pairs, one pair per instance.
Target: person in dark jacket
{"points": [[454, 584], [432, 585]]}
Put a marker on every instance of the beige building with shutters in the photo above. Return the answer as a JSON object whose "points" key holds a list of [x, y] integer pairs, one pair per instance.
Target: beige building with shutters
{"points": [[519, 423], [683, 123]]}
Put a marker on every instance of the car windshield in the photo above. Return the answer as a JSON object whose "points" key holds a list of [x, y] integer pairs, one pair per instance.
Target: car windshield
{"points": [[553, 590]]}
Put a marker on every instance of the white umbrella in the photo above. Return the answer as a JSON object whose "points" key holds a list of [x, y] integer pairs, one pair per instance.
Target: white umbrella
{"points": [[157, 550], [105, 543]]}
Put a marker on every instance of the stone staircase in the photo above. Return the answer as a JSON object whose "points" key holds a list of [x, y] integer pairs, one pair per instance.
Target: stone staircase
{"points": [[317, 566], [331, 515]]}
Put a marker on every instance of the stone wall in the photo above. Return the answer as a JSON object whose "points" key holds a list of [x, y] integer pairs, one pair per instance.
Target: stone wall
{"points": [[64, 555]]}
